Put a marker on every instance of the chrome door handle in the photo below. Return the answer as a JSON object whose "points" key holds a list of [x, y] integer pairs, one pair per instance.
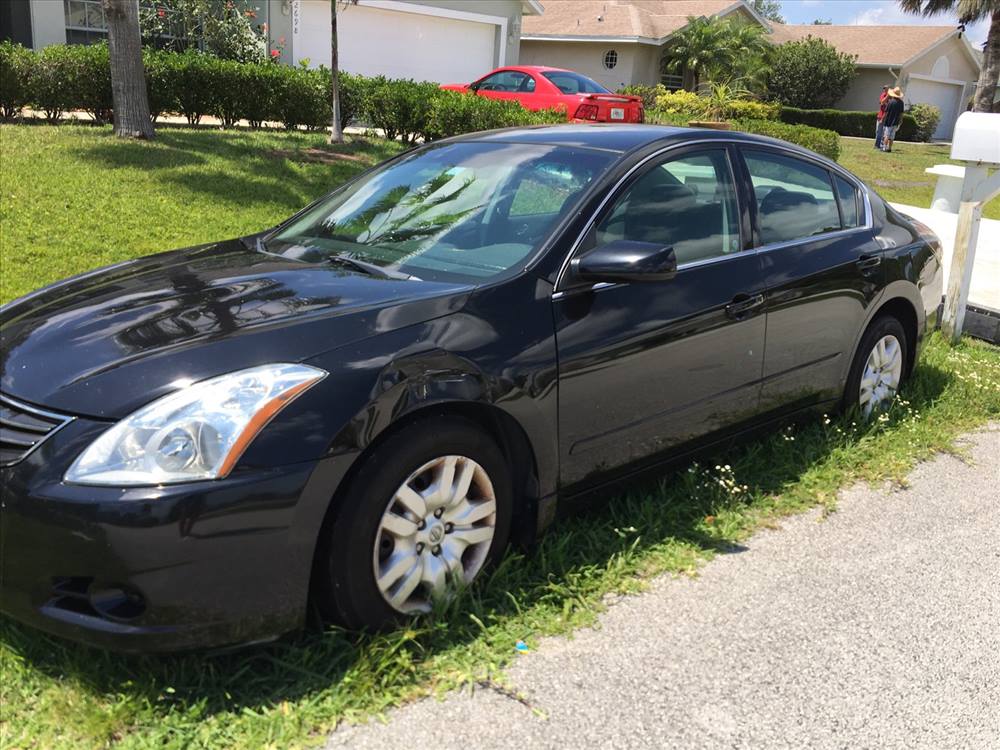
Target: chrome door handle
{"points": [[868, 262], [743, 304]]}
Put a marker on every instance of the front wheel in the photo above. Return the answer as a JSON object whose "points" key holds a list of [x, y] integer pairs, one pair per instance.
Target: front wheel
{"points": [[428, 510], [878, 368]]}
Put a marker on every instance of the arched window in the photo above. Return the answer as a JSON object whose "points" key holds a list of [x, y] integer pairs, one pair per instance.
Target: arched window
{"points": [[610, 59], [941, 68]]}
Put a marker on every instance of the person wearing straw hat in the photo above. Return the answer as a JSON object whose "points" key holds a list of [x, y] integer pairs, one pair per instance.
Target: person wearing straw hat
{"points": [[883, 97], [893, 117]]}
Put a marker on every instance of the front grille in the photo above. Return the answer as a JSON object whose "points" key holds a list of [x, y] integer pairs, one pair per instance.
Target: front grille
{"points": [[23, 428]]}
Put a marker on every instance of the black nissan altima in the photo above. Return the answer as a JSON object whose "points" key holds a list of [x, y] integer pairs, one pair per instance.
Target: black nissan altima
{"points": [[362, 406]]}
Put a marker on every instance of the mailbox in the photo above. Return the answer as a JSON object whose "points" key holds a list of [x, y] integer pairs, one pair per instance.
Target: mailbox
{"points": [[977, 138]]}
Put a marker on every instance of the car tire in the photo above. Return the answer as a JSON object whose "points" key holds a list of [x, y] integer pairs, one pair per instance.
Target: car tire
{"points": [[879, 367], [376, 533]]}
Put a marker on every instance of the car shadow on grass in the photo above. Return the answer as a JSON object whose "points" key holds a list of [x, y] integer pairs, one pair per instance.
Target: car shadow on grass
{"points": [[670, 523]]}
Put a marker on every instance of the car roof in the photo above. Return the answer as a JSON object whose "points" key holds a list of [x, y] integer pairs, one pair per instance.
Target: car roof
{"points": [[614, 136]]}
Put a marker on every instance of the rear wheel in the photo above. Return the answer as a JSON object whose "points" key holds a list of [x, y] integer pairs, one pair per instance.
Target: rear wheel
{"points": [[879, 367], [426, 512]]}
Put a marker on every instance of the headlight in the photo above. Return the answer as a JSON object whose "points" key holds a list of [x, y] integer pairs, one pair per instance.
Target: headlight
{"points": [[196, 433]]}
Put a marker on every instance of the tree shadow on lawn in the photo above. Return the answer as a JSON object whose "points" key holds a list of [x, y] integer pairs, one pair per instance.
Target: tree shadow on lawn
{"points": [[564, 573], [288, 169]]}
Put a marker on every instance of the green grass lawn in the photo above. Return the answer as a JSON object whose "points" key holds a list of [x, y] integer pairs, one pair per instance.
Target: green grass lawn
{"points": [[77, 193], [899, 177]]}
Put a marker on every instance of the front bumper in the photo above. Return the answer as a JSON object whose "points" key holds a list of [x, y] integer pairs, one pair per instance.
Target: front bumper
{"points": [[158, 568]]}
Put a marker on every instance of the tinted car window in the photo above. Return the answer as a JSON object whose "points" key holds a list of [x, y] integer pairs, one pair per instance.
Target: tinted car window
{"points": [[687, 203], [447, 213], [574, 83], [506, 80], [794, 198], [850, 202]]}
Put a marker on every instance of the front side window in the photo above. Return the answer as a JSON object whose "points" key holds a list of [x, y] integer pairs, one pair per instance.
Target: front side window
{"points": [[795, 199], [508, 81], [687, 203], [464, 212]]}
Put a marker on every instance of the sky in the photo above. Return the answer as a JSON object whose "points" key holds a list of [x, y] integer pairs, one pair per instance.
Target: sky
{"points": [[870, 12]]}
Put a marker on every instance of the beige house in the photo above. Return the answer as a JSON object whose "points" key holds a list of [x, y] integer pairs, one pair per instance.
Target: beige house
{"points": [[616, 42], [621, 42], [932, 64]]}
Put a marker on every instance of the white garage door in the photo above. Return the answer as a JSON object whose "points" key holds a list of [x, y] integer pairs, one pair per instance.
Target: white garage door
{"points": [[397, 44], [945, 96]]}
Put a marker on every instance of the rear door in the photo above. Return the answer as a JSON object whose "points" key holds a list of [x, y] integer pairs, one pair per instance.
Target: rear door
{"points": [[647, 366], [822, 269]]}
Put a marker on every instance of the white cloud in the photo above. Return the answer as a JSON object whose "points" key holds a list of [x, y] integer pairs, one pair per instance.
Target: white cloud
{"points": [[890, 14]]}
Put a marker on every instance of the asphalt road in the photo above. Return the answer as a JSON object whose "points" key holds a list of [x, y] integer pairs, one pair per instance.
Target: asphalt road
{"points": [[876, 627]]}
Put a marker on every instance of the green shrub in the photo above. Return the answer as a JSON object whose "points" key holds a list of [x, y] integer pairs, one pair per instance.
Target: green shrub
{"points": [[400, 108], [53, 75], [825, 142], [454, 113], [694, 107], [303, 99], [16, 63], [159, 82], [648, 94], [926, 117], [91, 85], [857, 124], [810, 73], [194, 81]]}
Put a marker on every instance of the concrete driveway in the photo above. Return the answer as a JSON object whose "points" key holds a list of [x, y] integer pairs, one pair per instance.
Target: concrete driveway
{"points": [[876, 627]]}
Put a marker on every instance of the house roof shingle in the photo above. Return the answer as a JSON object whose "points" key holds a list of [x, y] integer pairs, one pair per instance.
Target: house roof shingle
{"points": [[651, 19], [874, 45]]}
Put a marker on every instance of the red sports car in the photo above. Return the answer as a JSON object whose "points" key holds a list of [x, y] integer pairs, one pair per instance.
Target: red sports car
{"points": [[539, 87]]}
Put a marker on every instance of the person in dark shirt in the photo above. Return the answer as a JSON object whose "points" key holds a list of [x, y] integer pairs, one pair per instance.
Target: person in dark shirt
{"points": [[893, 117], [882, 99]]}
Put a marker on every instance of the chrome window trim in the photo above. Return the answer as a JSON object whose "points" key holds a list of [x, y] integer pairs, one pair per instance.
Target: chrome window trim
{"points": [[614, 189], [61, 419], [826, 164], [835, 169]]}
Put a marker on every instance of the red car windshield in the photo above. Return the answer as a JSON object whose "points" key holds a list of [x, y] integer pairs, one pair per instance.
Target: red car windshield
{"points": [[574, 83]]}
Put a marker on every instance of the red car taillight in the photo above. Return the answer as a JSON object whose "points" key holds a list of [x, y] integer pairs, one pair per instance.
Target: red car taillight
{"points": [[586, 112]]}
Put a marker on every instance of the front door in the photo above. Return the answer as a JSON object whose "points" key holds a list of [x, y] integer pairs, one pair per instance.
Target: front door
{"points": [[646, 366]]}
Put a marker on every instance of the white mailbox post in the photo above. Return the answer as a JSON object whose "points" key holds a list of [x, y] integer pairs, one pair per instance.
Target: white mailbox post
{"points": [[976, 142]]}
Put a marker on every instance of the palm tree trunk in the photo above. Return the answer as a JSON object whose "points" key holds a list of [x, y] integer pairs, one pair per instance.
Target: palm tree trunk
{"points": [[337, 128], [987, 89], [128, 77]]}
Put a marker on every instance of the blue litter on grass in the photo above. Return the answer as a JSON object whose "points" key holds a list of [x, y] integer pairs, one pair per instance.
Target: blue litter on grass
{"points": [[521, 646]]}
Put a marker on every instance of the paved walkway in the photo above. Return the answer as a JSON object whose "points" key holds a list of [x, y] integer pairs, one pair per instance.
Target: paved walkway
{"points": [[877, 627]]}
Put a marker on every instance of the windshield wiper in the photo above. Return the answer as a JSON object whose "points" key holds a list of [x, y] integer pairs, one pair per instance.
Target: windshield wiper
{"points": [[365, 267]]}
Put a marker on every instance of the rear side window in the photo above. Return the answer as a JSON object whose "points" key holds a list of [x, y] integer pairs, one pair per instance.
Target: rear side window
{"points": [[795, 199], [574, 83], [850, 203]]}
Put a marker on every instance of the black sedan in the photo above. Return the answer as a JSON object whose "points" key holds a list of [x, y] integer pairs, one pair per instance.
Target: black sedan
{"points": [[364, 405]]}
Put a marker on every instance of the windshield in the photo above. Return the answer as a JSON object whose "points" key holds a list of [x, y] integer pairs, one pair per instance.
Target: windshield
{"points": [[574, 83], [462, 212]]}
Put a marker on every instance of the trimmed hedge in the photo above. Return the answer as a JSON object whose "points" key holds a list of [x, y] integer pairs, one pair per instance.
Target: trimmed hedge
{"points": [[695, 106], [824, 142], [73, 77], [858, 124]]}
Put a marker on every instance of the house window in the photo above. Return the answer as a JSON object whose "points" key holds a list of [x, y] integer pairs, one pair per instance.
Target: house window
{"points": [[85, 22], [610, 59]]}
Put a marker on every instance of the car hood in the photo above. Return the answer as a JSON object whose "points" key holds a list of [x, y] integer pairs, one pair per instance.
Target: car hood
{"points": [[104, 343]]}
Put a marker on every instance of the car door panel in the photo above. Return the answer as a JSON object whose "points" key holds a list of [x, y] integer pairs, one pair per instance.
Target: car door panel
{"points": [[647, 366], [821, 274]]}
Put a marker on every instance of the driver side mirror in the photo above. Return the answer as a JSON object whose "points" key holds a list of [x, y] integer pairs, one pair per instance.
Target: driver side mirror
{"points": [[624, 260]]}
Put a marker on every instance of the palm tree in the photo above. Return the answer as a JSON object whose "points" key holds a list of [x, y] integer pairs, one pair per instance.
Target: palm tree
{"points": [[716, 48], [970, 11]]}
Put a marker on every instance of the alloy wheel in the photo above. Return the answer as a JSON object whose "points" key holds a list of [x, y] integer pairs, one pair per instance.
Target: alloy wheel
{"points": [[435, 533], [882, 375]]}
